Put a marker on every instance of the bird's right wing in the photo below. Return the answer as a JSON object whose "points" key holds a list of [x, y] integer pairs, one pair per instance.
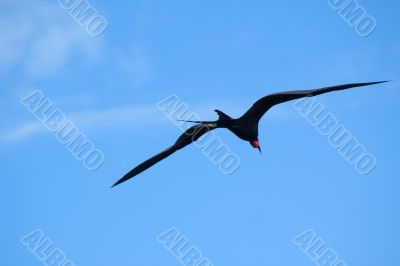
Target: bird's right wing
{"points": [[189, 136], [264, 104]]}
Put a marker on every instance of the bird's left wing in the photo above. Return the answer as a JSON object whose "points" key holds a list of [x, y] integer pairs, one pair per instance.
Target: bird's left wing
{"points": [[264, 104], [188, 137]]}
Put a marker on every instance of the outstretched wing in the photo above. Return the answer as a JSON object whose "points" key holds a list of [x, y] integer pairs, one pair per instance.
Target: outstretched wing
{"points": [[257, 111], [188, 137]]}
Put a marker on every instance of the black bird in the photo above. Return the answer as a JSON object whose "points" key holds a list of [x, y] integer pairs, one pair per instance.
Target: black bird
{"points": [[245, 127]]}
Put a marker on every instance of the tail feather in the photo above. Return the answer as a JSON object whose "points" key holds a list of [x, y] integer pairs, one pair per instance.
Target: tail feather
{"points": [[191, 121], [222, 117]]}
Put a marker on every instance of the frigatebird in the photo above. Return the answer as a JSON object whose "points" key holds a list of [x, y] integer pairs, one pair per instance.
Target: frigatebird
{"points": [[245, 127]]}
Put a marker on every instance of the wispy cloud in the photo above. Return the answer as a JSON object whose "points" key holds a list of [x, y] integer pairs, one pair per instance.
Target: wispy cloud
{"points": [[133, 117], [40, 37], [125, 117], [135, 62], [21, 131], [129, 117]]}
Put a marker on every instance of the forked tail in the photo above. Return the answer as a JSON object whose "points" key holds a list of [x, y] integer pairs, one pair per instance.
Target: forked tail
{"points": [[223, 118]]}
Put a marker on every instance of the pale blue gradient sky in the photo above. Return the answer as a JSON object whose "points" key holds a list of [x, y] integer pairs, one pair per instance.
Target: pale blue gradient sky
{"points": [[213, 54]]}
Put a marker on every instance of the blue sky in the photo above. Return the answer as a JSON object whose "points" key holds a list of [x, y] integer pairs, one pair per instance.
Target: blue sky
{"points": [[212, 54]]}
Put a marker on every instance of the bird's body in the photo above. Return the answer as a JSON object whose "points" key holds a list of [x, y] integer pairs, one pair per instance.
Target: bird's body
{"points": [[245, 127], [245, 130]]}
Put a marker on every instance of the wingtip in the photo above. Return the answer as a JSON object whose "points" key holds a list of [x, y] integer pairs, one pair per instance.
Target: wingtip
{"points": [[122, 180], [116, 184], [377, 82]]}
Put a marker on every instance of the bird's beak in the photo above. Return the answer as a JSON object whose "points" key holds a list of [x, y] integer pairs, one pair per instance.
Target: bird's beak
{"points": [[259, 148]]}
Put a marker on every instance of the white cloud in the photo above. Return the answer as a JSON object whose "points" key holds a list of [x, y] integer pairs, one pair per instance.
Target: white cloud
{"points": [[137, 118], [40, 36], [135, 62], [126, 117], [21, 132], [119, 117]]}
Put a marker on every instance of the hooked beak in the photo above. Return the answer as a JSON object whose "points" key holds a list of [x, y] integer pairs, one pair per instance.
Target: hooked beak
{"points": [[256, 144]]}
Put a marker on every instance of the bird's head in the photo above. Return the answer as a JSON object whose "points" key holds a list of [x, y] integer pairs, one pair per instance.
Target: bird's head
{"points": [[256, 144]]}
